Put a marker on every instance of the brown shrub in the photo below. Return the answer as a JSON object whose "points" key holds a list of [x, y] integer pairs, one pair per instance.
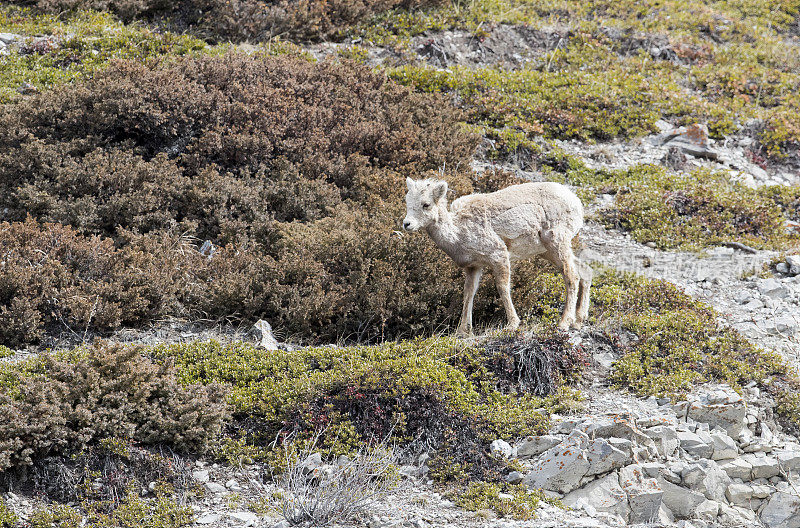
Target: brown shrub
{"points": [[112, 393], [55, 280], [294, 170], [219, 146]]}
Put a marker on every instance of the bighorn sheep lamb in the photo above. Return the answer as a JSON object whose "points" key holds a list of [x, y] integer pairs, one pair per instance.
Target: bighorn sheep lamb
{"points": [[493, 230]]}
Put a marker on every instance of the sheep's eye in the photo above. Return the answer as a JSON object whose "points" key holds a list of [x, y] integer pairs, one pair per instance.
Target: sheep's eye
{"points": [[426, 205]]}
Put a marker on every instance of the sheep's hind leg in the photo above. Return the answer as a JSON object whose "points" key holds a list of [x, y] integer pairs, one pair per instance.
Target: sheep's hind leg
{"points": [[502, 279], [585, 285], [471, 282], [559, 253]]}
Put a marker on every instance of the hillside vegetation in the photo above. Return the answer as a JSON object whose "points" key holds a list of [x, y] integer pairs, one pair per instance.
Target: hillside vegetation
{"points": [[193, 161]]}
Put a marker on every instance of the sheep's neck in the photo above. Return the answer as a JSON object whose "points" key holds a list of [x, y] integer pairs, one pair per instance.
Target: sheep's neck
{"points": [[445, 234]]}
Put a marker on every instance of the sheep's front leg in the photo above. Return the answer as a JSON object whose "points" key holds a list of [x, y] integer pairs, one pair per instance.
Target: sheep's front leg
{"points": [[471, 282], [502, 278]]}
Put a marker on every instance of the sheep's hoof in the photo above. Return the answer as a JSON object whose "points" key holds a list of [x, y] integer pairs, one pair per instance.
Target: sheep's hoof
{"points": [[512, 326], [564, 326], [463, 332]]}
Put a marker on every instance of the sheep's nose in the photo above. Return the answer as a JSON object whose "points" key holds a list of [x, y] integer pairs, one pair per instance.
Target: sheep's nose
{"points": [[406, 224]]}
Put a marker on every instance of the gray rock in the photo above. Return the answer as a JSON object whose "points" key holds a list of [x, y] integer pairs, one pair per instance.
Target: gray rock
{"points": [[262, 333], [694, 445], [616, 426], [738, 468], [784, 324], [763, 466], [603, 495], [788, 460], [501, 449], [782, 511], [773, 288], [200, 475], [718, 406], [515, 477], [9, 38], [739, 494], [707, 478], [793, 261], [644, 494], [216, 487], [535, 445], [562, 467], [682, 502], [724, 446], [603, 457], [208, 518], [665, 439], [707, 510], [692, 140], [245, 517]]}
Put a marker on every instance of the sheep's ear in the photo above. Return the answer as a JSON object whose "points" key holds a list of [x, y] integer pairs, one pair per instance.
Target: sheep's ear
{"points": [[439, 190], [410, 184]]}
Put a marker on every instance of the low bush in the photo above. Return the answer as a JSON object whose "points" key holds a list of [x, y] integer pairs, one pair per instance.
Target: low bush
{"points": [[486, 496], [54, 280], [241, 20], [104, 473], [437, 394], [77, 45], [669, 342], [699, 209], [61, 406]]}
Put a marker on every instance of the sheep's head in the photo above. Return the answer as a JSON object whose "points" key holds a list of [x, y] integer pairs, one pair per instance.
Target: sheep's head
{"points": [[424, 202]]}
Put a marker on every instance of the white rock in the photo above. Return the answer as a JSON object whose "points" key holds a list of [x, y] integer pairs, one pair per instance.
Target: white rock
{"points": [[262, 333], [208, 518], [248, 518], [200, 475], [215, 487], [739, 494], [707, 510], [615, 425], [773, 288], [763, 466], [718, 406], [724, 446], [562, 467], [794, 264], [501, 449], [682, 502], [694, 445], [644, 494], [604, 495], [665, 438], [535, 445], [603, 457], [782, 511], [707, 478], [788, 460], [784, 324]]}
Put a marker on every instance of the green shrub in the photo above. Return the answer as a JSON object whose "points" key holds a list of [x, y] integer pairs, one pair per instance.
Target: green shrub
{"points": [[57, 516], [78, 44], [241, 20], [439, 392], [63, 406], [8, 519], [698, 209], [486, 496]]}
